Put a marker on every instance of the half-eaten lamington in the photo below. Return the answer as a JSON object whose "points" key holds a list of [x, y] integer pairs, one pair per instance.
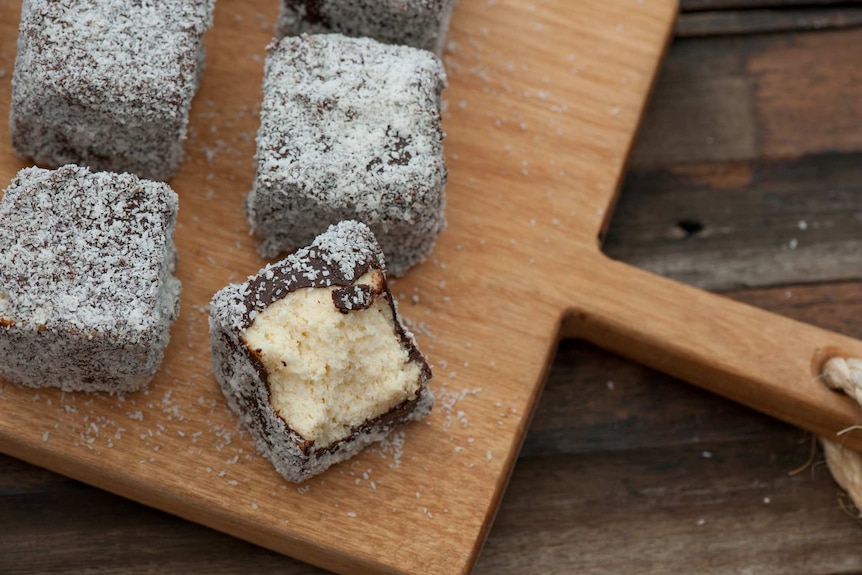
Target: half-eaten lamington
{"points": [[312, 355]]}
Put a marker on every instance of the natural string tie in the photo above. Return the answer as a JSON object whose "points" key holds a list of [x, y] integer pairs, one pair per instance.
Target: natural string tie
{"points": [[845, 464]]}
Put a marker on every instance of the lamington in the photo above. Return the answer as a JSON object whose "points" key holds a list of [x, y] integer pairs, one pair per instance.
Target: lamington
{"points": [[107, 83], [418, 23], [312, 355], [87, 291], [350, 129]]}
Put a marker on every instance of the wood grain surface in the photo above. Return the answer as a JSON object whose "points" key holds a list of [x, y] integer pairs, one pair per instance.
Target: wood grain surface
{"points": [[543, 104], [624, 469]]}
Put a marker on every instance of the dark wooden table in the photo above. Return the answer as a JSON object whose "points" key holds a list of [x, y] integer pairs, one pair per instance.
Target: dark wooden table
{"points": [[746, 179]]}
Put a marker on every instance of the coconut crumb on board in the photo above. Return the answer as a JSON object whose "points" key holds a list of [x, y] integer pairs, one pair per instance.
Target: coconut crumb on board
{"points": [[392, 446]]}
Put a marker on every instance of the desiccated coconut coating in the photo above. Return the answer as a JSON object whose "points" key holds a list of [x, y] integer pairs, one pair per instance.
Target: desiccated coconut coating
{"points": [[417, 23], [350, 129], [312, 356], [87, 292], [107, 83]]}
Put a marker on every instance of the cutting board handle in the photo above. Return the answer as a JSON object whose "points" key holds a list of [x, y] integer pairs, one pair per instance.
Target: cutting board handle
{"points": [[760, 359]]}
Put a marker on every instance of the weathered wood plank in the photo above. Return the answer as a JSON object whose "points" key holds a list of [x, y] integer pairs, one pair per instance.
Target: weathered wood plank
{"points": [[666, 510], [719, 23], [808, 94], [597, 402], [57, 525], [744, 224], [697, 5], [729, 508], [765, 97], [322, 528], [702, 106], [835, 306]]}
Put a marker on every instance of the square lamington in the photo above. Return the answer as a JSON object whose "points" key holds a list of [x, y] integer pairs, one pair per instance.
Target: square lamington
{"points": [[107, 83], [87, 292], [312, 355], [350, 129], [418, 23]]}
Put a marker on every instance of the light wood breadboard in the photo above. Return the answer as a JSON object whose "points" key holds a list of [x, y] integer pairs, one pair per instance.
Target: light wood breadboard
{"points": [[544, 100]]}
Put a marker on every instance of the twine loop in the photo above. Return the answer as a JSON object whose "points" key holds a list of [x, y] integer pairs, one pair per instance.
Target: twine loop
{"points": [[845, 374]]}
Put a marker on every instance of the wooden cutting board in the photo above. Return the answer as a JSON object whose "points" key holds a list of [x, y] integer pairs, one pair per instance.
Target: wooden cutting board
{"points": [[544, 100]]}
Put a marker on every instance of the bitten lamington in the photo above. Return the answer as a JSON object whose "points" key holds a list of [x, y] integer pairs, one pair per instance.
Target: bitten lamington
{"points": [[350, 129], [87, 292], [312, 356], [418, 23], [107, 83]]}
